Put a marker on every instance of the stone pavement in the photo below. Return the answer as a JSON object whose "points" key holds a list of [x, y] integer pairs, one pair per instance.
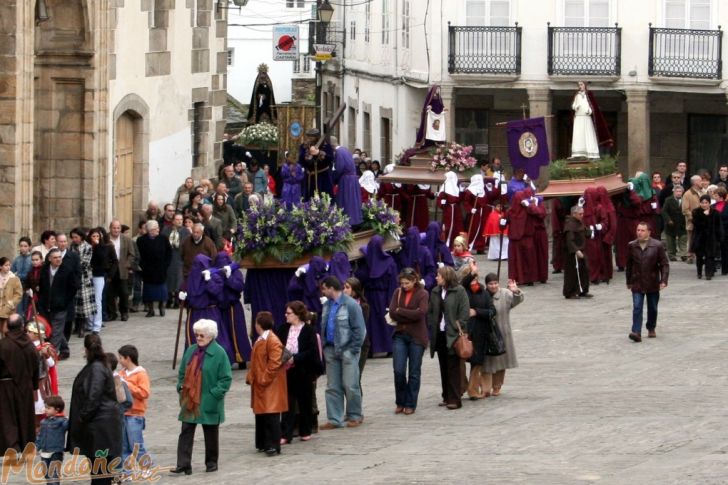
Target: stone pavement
{"points": [[586, 404]]}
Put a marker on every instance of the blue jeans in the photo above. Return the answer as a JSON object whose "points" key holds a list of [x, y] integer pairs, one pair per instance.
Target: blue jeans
{"points": [[54, 465], [638, 300], [406, 354], [342, 381], [99, 283], [132, 434]]}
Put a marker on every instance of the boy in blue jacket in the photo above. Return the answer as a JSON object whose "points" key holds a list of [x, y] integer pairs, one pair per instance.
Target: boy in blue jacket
{"points": [[52, 438]]}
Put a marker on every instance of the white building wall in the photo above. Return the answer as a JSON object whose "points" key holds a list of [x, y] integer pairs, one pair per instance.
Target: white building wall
{"points": [[169, 97], [253, 45]]}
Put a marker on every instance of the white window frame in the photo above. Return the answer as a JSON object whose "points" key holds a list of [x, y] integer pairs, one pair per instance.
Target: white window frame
{"points": [[385, 22], [587, 17], [406, 20], [488, 19], [687, 19]]}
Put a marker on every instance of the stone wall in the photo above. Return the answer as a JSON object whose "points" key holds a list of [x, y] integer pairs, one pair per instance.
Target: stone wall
{"points": [[304, 90]]}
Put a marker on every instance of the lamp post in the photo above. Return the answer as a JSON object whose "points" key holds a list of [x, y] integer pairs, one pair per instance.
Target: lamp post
{"points": [[324, 12]]}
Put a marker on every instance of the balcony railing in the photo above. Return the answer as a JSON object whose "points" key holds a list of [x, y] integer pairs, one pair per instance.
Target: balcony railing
{"points": [[588, 51], [484, 50], [686, 53]]}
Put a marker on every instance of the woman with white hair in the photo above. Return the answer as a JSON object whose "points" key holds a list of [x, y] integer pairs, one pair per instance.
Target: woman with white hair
{"points": [[155, 255], [203, 380]]}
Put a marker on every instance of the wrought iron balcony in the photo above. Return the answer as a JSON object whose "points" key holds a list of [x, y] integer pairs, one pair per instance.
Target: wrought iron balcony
{"points": [[588, 51], [484, 50], [686, 53]]}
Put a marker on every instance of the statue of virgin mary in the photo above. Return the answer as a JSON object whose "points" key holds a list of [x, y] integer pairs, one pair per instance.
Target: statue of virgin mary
{"points": [[433, 128]]}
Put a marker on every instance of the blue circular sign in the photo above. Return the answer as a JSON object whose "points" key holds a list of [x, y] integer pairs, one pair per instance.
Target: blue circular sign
{"points": [[295, 128]]}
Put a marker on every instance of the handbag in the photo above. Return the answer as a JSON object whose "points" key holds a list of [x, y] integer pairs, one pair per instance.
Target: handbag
{"points": [[494, 343], [463, 345]]}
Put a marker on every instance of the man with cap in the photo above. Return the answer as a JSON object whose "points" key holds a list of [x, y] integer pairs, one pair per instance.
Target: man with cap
{"points": [[317, 164]]}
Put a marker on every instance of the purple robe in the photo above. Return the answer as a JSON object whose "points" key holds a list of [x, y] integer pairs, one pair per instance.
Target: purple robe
{"points": [[436, 106], [202, 300], [515, 185], [231, 310], [340, 266], [348, 194], [415, 255], [438, 249], [264, 291], [292, 176], [306, 287], [378, 274]]}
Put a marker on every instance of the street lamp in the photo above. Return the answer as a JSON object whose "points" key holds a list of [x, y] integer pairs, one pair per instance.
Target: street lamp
{"points": [[325, 12]]}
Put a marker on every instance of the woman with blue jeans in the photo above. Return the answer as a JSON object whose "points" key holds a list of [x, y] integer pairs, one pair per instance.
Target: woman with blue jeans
{"points": [[103, 264], [408, 309]]}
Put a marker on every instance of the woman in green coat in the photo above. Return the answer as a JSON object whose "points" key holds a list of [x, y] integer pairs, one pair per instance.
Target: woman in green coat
{"points": [[448, 307], [204, 378]]}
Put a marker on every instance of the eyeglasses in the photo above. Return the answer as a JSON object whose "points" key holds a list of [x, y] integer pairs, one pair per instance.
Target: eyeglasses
{"points": [[200, 335]]}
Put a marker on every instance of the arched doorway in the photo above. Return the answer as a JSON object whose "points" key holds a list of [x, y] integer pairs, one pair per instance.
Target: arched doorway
{"points": [[123, 179]]}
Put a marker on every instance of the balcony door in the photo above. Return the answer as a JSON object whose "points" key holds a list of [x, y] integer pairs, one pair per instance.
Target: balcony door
{"points": [[490, 13], [688, 14]]}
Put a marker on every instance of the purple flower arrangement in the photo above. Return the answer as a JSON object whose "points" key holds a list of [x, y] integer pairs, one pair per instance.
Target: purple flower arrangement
{"points": [[313, 227], [381, 218], [453, 157]]}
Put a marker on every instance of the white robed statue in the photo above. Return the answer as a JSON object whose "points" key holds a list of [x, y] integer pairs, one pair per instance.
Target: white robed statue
{"points": [[584, 142]]}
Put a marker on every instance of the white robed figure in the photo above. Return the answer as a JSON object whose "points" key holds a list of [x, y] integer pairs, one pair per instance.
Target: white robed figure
{"points": [[584, 142]]}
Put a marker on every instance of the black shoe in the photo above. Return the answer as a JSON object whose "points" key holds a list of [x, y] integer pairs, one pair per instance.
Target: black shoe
{"points": [[133, 309], [708, 277], [700, 277], [572, 297], [272, 452], [64, 355], [556, 271], [124, 317], [586, 295], [150, 313], [161, 310], [620, 270], [179, 469], [176, 305], [211, 468]]}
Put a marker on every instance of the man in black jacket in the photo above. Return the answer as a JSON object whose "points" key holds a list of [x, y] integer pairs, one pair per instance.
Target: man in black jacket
{"points": [[71, 259], [58, 286]]}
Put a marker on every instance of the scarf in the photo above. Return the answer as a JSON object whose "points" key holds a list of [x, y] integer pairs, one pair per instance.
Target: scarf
{"points": [[4, 279], [190, 397], [174, 238]]}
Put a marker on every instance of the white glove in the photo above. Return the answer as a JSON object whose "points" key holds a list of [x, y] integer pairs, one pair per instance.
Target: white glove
{"points": [[489, 186], [503, 222], [182, 295], [534, 200], [301, 270], [533, 186], [30, 292], [247, 154], [599, 227], [593, 234], [207, 275], [323, 300], [473, 210], [504, 189], [228, 271], [422, 282], [654, 205], [581, 202], [630, 185], [591, 228], [525, 203], [525, 177], [440, 264], [443, 202]]}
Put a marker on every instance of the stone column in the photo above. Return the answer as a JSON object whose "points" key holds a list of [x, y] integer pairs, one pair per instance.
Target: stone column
{"points": [[539, 104], [638, 131], [448, 99]]}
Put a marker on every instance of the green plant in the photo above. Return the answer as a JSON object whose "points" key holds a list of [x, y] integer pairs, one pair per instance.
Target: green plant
{"points": [[262, 134], [566, 170]]}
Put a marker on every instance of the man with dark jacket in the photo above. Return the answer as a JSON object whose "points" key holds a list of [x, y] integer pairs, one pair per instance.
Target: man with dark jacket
{"points": [[58, 286], [576, 269], [72, 259], [675, 233], [647, 271]]}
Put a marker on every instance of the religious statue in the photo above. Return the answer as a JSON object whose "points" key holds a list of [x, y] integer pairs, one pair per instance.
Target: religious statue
{"points": [[317, 163], [262, 103], [433, 127], [590, 127]]}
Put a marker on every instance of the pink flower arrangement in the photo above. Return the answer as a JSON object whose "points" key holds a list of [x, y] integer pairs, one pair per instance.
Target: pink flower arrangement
{"points": [[453, 157]]}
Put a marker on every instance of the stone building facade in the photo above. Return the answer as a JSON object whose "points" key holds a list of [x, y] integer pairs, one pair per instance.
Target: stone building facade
{"points": [[104, 105]]}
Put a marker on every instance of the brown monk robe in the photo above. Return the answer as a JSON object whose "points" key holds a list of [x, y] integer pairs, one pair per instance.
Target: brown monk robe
{"points": [[18, 383], [576, 270]]}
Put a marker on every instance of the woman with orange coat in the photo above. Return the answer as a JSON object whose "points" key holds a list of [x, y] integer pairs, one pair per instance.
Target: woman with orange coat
{"points": [[269, 389]]}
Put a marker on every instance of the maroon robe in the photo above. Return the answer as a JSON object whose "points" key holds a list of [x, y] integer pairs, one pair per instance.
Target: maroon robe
{"points": [[392, 196], [521, 249], [476, 221], [628, 216], [609, 232], [593, 249], [417, 205], [536, 219], [452, 217]]}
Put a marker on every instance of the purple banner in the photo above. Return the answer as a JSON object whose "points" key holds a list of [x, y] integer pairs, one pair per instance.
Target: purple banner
{"points": [[527, 145]]}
